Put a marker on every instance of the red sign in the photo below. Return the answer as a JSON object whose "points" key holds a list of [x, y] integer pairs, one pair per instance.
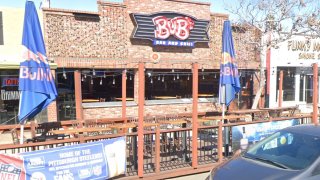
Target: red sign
{"points": [[11, 168], [10, 82], [179, 27]]}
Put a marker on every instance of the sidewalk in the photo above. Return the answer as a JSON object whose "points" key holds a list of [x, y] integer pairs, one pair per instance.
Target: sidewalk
{"points": [[200, 176]]}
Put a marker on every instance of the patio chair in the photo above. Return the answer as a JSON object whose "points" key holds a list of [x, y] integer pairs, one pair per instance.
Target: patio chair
{"points": [[16, 137], [91, 123]]}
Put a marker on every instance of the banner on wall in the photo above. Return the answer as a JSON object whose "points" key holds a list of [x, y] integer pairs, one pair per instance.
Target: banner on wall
{"points": [[256, 132], [96, 160]]}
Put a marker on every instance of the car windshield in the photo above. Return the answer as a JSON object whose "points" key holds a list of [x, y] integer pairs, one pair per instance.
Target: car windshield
{"points": [[286, 150]]}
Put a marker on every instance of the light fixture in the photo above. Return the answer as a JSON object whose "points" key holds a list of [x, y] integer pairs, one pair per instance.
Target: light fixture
{"points": [[151, 81], [101, 81], [174, 78], [64, 74], [202, 69], [113, 81], [104, 74], [91, 81], [202, 76], [85, 76], [158, 77], [177, 76], [215, 76], [188, 78], [82, 79], [162, 78], [93, 72], [130, 78]]}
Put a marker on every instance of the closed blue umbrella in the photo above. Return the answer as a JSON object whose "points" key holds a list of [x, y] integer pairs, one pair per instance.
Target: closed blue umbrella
{"points": [[36, 82], [229, 83]]}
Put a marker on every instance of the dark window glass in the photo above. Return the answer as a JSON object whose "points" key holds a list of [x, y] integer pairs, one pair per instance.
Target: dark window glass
{"points": [[66, 94], [101, 85], [9, 101]]}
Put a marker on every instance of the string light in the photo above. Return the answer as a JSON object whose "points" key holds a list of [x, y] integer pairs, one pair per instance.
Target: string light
{"points": [[93, 72], [113, 81], [202, 76], [188, 78], [91, 81], [64, 74], [130, 78], [82, 79], [85, 76], [162, 78], [174, 78], [177, 76], [101, 81], [151, 81], [158, 77]]}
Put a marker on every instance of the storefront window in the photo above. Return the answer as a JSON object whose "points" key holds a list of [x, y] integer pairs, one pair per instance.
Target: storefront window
{"points": [[66, 94], [288, 85], [9, 101], [99, 85], [246, 93], [177, 84]]}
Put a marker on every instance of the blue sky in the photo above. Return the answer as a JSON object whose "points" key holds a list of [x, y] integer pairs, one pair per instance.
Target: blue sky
{"points": [[91, 5]]}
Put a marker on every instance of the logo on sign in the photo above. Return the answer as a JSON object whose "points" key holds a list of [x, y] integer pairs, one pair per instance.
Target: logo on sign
{"points": [[36, 162], [170, 29], [8, 171], [179, 27]]}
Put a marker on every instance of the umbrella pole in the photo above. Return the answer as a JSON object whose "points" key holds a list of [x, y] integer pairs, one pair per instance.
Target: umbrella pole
{"points": [[21, 133], [226, 132]]}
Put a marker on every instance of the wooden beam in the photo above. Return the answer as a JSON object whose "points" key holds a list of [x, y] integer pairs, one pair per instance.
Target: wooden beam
{"points": [[315, 95], [140, 118], [78, 94], [195, 75], [280, 89]]}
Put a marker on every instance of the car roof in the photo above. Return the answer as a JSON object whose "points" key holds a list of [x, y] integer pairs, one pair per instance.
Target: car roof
{"points": [[308, 129]]}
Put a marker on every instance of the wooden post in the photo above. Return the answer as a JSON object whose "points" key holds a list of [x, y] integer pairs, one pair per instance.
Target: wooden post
{"points": [[33, 129], [220, 156], [280, 89], [78, 95], [195, 115], [315, 94], [140, 119], [157, 150], [124, 95]]}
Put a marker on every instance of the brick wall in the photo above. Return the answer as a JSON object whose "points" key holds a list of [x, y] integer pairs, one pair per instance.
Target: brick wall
{"points": [[77, 39], [132, 111]]}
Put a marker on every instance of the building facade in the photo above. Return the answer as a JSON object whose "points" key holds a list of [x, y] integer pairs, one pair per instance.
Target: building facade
{"points": [[295, 58], [102, 45], [11, 25], [95, 55]]}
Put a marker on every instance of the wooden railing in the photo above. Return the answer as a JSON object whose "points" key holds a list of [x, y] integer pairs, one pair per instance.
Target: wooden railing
{"points": [[167, 152]]}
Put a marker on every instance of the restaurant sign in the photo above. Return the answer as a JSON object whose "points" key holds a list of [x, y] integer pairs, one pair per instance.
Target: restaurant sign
{"points": [[170, 29]]}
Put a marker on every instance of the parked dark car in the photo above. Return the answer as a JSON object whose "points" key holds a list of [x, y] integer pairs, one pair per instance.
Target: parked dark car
{"points": [[291, 153]]}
